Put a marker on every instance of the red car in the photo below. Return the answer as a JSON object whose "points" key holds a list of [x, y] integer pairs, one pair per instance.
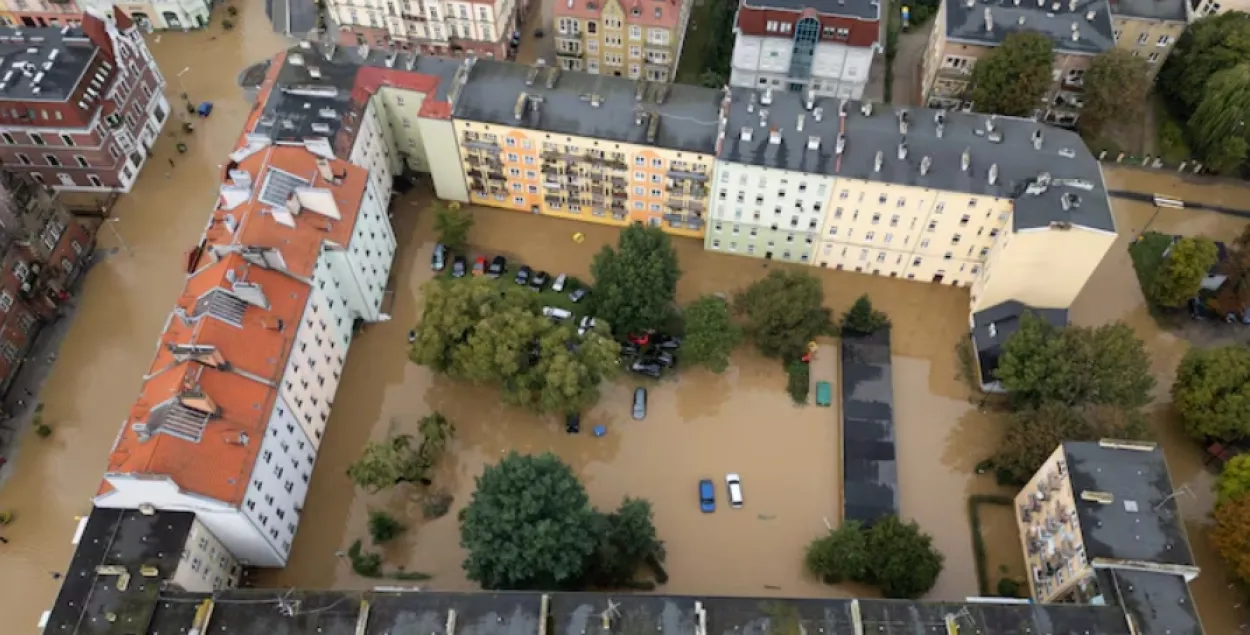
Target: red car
{"points": [[479, 266]]}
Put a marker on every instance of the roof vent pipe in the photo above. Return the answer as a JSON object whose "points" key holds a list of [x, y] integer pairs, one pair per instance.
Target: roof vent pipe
{"points": [[878, 161], [811, 100], [902, 122], [1037, 139], [866, 108], [1020, 20], [1091, 15], [763, 117], [902, 150], [965, 159], [1072, 5], [746, 133], [989, 20], [924, 165], [818, 114], [994, 174], [802, 118], [940, 130], [841, 145], [1076, 36]]}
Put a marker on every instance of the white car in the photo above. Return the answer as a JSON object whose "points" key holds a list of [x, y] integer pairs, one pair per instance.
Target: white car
{"points": [[734, 482], [587, 324], [558, 285], [556, 313]]}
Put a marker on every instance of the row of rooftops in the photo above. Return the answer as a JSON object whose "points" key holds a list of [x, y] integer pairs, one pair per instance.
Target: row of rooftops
{"points": [[47, 64], [1075, 26]]}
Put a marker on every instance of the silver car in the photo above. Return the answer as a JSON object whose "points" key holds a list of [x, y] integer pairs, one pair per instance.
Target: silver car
{"points": [[640, 404]]}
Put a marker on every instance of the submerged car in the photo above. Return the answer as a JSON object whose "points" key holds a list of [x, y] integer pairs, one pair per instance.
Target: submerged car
{"points": [[650, 370], [640, 404], [458, 267], [573, 423], [668, 342], [539, 280], [523, 275], [498, 265], [707, 496]]}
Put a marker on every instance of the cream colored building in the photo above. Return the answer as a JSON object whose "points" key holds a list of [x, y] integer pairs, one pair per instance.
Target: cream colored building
{"points": [[437, 27], [602, 149], [205, 565], [1205, 8], [622, 38], [1095, 515], [1150, 28]]}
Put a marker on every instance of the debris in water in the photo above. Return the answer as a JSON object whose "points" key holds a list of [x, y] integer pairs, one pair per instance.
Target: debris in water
{"points": [[767, 516], [772, 587]]}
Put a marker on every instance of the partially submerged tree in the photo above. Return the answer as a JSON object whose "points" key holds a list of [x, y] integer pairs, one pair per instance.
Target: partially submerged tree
{"points": [[904, 563], [1218, 126], [840, 555], [1180, 276], [1012, 79], [564, 373], [1231, 535], [1117, 85], [783, 312], [1234, 295], [1234, 479], [627, 541], [383, 527], [1212, 393], [401, 459], [1034, 433], [862, 318], [635, 284], [453, 226], [711, 334]]}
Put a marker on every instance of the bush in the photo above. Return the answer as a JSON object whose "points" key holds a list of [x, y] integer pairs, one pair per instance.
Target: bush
{"points": [[227, 24], [382, 527], [1010, 588], [43, 430], [799, 382], [893, 555], [862, 318], [365, 563], [436, 505]]}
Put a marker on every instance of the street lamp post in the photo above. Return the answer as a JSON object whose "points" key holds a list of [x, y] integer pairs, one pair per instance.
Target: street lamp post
{"points": [[118, 235]]}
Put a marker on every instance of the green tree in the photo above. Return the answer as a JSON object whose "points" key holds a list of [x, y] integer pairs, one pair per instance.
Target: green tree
{"points": [[453, 308], [1234, 295], [798, 381], [1117, 86], [1180, 276], [1075, 366], [529, 525], [1212, 393], [1231, 535], [627, 541], [383, 527], [1012, 79], [566, 374], [840, 555], [498, 347], [1219, 126], [453, 226], [783, 312], [1207, 46], [387, 463], [862, 318], [1234, 480], [711, 334], [1034, 433], [904, 563], [635, 283]]}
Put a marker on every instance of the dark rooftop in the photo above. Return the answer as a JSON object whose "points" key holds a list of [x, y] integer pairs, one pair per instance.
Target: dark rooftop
{"points": [[292, 17], [1170, 10], [1160, 603], [1075, 26], [862, 9], [1141, 522], [870, 469], [772, 129], [992, 327], [674, 116], [90, 601], [43, 64]]}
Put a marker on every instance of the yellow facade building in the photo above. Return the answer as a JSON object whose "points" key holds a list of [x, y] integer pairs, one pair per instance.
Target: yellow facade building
{"points": [[621, 38], [601, 149]]}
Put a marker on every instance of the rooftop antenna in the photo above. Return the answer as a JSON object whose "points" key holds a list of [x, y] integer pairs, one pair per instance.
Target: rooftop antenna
{"points": [[612, 612]]}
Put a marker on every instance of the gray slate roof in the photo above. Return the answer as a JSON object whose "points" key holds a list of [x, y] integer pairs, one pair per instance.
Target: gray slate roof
{"points": [[74, 52], [966, 22], [862, 9], [1143, 522], [687, 117], [1159, 602], [1074, 174], [1169, 10]]}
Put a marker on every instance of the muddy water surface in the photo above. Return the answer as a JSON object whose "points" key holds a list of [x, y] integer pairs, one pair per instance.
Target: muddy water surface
{"points": [[125, 300]]}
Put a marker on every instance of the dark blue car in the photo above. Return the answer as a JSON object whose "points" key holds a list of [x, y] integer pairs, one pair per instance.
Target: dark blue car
{"points": [[707, 496]]}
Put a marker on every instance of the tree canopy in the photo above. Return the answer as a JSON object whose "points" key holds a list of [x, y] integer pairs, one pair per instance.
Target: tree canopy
{"points": [[529, 525], [1034, 433], [1231, 535], [840, 555], [1234, 479], [400, 459], [711, 334], [627, 540], [1234, 295], [783, 312], [1212, 393], [862, 318], [635, 284], [470, 330], [1075, 366], [1117, 85], [892, 555], [1218, 126], [1180, 276], [453, 226], [1012, 78]]}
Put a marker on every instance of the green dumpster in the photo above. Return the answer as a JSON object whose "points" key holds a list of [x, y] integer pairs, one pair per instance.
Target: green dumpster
{"points": [[824, 394]]}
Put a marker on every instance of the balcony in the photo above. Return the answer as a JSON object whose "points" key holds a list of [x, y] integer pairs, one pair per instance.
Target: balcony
{"points": [[481, 146], [680, 175], [572, 55], [412, 17]]}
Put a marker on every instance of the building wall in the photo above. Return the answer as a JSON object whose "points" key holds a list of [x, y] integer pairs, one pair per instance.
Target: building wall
{"points": [[584, 179], [430, 26], [373, 150], [1043, 268], [36, 13], [279, 481], [439, 135], [767, 213], [1050, 533], [619, 43], [838, 69], [1152, 40], [362, 269], [1214, 7], [402, 110], [206, 565]]}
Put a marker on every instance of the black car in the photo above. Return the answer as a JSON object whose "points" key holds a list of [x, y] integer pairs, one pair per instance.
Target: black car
{"points": [[668, 342], [579, 294], [539, 280], [651, 370], [660, 357], [498, 265], [458, 267], [629, 350], [573, 423], [523, 275], [438, 261]]}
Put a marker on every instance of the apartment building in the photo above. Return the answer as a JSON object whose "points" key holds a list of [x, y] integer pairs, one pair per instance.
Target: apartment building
{"points": [[158, 15], [42, 13], [1099, 523], [638, 39], [1204, 8], [825, 46], [1150, 28], [80, 107], [433, 27], [965, 31], [603, 149]]}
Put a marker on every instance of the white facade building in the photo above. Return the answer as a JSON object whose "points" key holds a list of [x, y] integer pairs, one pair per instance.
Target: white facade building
{"points": [[837, 70], [205, 564], [431, 25]]}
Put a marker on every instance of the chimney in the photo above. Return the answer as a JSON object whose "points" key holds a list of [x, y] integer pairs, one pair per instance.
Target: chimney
{"points": [[1041, 3], [763, 117], [989, 20], [1016, 2], [774, 137], [818, 114], [989, 123], [1076, 35], [970, 3], [1091, 15], [1072, 5], [767, 97], [746, 133], [902, 121], [802, 118], [841, 145], [1020, 20], [902, 150], [843, 106], [993, 174], [813, 143], [751, 103], [965, 159], [1054, 7], [924, 165], [878, 161], [811, 100], [1037, 139], [866, 108]]}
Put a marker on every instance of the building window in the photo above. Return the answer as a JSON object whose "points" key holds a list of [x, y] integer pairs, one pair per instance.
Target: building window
{"points": [[37, 139], [67, 140]]}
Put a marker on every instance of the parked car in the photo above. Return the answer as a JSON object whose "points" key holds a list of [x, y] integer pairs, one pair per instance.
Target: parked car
{"points": [[651, 370], [629, 351], [458, 267], [668, 342], [539, 280], [640, 404], [438, 261], [707, 496], [479, 266], [586, 324], [558, 285], [556, 313], [523, 275], [579, 294], [498, 265], [573, 423], [660, 357], [734, 483]]}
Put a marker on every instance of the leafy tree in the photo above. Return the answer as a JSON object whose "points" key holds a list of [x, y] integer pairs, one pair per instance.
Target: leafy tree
{"points": [[1212, 393], [498, 347], [565, 376], [452, 309], [840, 555], [1033, 434], [711, 334], [904, 563], [1180, 276], [529, 525], [1218, 126], [1012, 79], [1234, 480], [1234, 295], [798, 381], [862, 318], [365, 563], [453, 226], [1075, 366], [627, 540], [784, 312], [1207, 46], [1117, 86], [635, 283], [398, 460], [383, 527], [1231, 535]]}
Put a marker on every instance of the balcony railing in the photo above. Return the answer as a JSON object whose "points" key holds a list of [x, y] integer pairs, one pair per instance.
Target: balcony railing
{"points": [[679, 175]]}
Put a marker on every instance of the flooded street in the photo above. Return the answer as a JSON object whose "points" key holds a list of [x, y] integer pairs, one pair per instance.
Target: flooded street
{"points": [[126, 298], [699, 425]]}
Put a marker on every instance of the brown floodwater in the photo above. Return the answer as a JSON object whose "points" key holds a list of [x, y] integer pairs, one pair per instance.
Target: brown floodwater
{"points": [[125, 300]]}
